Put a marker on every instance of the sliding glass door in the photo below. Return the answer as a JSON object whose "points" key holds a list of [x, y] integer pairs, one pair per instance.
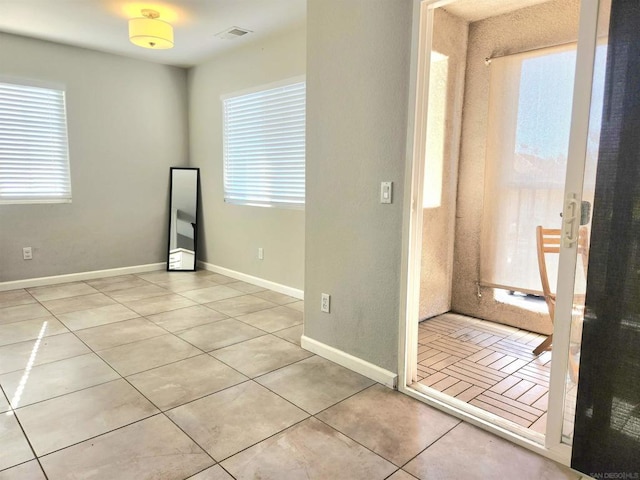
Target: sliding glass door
{"points": [[606, 440], [525, 138]]}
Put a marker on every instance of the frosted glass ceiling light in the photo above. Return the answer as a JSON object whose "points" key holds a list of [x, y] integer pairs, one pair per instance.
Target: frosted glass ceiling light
{"points": [[149, 32]]}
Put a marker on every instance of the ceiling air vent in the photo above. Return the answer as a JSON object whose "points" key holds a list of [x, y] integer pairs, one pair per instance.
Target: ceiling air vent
{"points": [[232, 33]]}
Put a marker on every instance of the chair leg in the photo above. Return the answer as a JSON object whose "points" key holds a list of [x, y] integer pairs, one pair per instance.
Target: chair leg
{"points": [[545, 345]]}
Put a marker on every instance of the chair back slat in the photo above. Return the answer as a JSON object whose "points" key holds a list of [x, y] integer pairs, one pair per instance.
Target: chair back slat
{"points": [[548, 241]]}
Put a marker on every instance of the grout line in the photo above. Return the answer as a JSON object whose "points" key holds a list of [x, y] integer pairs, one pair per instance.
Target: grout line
{"points": [[160, 411], [24, 434]]}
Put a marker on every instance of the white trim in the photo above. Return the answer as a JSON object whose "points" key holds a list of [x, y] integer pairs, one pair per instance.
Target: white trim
{"points": [[486, 421], [77, 277], [574, 182], [411, 243], [261, 282], [369, 370], [414, 178]]}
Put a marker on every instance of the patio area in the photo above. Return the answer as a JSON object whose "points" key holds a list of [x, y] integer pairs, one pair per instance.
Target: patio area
{"points": [[488, 365]]}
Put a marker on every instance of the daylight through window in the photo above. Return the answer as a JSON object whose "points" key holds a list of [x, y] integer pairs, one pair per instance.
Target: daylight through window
{"points": [[34, 155], [264, 147]]}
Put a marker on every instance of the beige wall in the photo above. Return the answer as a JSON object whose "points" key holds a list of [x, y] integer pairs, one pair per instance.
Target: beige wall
{"points": [[543, 25], [127, 124], [231, 234], [446, 92], [357, 95]]}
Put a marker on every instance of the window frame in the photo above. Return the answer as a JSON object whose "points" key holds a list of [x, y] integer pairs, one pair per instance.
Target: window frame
{"points": [[259, 88], [48, 85]]}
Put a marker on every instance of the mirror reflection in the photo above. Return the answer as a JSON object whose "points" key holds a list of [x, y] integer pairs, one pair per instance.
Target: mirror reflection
{"points": [[183, 230]]}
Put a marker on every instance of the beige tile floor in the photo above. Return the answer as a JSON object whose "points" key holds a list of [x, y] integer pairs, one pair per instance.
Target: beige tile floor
{"points": [[197, 375]]}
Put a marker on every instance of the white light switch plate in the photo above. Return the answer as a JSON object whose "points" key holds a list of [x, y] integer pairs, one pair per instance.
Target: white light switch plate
{"points": [[386, 192]]}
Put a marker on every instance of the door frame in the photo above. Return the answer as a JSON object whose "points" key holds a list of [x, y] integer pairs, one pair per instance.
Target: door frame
{"points": [[550, 445]]}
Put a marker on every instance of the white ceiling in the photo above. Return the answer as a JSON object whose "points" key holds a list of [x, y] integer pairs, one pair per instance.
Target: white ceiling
{"points": [[102, 24]]}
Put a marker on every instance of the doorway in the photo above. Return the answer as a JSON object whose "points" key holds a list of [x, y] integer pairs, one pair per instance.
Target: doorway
{"points": [[473, 353]]}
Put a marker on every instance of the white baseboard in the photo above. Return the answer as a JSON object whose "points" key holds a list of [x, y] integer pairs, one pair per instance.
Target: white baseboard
{"points": [[369, 370], [77, 277], [261, 282]]}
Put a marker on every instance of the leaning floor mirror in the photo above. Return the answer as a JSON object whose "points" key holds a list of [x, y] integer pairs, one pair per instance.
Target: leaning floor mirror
{"points": [[183, 212]]}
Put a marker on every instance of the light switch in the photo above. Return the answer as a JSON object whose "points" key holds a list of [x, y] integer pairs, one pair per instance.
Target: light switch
{"points": [[386, 192]]}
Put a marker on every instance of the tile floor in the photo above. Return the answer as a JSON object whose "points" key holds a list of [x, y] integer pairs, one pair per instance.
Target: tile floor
{"points": [[196, 375]]}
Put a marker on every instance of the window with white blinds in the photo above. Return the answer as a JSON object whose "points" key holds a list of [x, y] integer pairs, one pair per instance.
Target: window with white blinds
{"points": [[34, 156], [264, 147]]}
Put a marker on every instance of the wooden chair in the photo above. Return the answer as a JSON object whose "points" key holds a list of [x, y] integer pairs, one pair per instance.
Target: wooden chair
{"points": [[548, 241]]}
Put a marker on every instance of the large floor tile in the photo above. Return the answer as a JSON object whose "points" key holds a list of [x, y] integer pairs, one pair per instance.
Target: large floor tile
{"points": [[57, 378], [184, 381], [212, 294], [12, 298], [63, 421], [470, 453], [114, 334], [260, 355], [217, 277], [18, 356], [245, 287], [17, 313], [30, 330], [25, 471], [220, 334], [179, 283], [163, 303], [150, 449], [213, 473], [240, 305], [95, 317], [275, 297], [401, 475], [315, 383], [146, 354], [65, 290], [121, 282], [273, 319], [4, 403], [184, 318], [138, 293], [291, 334], [228, 421], [74, 304], [299, 306], [393, 425], [159, 276], [310, 450], [14, 448]]}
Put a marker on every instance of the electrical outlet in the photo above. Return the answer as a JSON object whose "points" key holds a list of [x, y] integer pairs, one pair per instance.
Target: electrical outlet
{"points": [[27, 253], [325, 303], [260, 253]]}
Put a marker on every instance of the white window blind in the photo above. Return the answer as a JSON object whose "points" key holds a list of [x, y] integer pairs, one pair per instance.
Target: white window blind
{"points": [[264, 147], [34, 158]]}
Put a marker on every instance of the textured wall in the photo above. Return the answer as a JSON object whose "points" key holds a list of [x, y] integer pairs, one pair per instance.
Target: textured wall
{"points": [[438, 228], [231, 234], [127, 124], [542, 25], [358, 58]]}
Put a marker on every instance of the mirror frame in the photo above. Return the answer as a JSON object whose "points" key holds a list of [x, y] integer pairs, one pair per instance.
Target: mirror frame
{"points": [[195, 230]]}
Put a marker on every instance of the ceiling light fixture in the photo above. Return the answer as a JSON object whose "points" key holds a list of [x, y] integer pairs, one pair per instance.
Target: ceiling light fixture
{"points": [[150, 32]]}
